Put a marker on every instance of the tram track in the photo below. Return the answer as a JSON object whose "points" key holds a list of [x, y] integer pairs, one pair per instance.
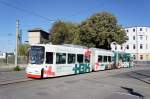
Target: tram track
{"points": [[139, 76]]}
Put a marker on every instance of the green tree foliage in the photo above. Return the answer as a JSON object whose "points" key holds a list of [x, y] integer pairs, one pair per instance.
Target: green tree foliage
{"points": [[23, 49], [64, 32], [100, 30]]}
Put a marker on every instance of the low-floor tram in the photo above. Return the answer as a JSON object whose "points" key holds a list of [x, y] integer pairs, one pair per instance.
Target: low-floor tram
{"points": [[46, 60]]}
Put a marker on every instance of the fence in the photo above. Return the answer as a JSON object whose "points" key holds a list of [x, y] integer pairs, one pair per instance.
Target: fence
{"points": [[11, 60]]}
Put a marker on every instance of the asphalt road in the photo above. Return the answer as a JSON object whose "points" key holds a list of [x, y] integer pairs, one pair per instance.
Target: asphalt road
{"points": [[111, 84]]}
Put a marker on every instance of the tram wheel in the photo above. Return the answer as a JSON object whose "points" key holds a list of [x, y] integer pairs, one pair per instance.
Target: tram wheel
{"points": [[42, 73]]}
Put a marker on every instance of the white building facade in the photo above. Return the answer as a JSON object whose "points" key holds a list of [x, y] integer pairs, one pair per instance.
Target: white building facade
{"points": [[138, 43]]}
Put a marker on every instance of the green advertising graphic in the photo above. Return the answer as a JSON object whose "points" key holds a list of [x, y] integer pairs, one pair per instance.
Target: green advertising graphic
{"points": [[81, 68]]}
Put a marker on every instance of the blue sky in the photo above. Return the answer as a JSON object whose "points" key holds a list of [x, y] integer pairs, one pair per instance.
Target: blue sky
{"points": [[128, 12]]}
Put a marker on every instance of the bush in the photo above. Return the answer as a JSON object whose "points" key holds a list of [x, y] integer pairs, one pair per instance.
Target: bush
{"points": [[17, 68]]}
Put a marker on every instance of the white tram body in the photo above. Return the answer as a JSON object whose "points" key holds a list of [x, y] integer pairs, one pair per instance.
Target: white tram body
{"points": [[101, 59], [47, 60]]}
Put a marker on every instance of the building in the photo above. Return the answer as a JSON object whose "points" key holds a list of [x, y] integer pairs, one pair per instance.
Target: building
{"points": [[138, 44], [37, 36]]}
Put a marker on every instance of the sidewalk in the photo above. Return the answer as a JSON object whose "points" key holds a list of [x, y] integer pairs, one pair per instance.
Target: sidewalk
{"points": [[13, 77], [10, 67], [8, 76]]}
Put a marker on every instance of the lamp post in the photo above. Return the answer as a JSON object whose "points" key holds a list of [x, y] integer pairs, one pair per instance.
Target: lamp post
{"points": [[114, 46]]}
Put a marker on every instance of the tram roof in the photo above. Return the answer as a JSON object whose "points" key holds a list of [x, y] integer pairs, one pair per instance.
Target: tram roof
{"points": [[65, 45], [101, 49]]}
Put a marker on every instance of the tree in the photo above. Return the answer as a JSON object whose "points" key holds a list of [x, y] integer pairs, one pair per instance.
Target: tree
{"points": [[100, 30], [64, 32], [23, 49]]}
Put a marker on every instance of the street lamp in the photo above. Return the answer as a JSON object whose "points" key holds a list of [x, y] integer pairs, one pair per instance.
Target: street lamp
{"points": [[113, 46]]}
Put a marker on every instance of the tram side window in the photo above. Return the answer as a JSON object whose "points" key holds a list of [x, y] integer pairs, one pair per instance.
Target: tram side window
{"points": [[71, 58], [49, 57], [105, 58], [128, 59], [80, 58], [100, 58], [113, 58], [109, 58], [87, 60], [60, 58]]}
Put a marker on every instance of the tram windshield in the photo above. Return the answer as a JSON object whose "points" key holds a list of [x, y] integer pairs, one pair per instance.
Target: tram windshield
{"points": [[36, 55]]}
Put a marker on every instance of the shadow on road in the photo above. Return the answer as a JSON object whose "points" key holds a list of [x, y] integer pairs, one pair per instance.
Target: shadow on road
{"points": [[132, 92]]}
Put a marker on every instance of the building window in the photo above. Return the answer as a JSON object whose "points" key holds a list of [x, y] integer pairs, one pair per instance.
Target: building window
{"points": [[141, 46], [133, 46], [146, 37], [146, 46], [127, 46], [133, 30], [140, 29], [141, 37], [141, 57], [133, 37], [134, 57]]}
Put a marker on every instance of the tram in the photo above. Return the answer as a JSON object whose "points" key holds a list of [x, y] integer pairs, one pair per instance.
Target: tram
{"points": [[46, 60]]}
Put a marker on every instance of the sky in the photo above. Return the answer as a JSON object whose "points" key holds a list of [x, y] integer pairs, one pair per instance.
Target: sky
{"points": [[43, 13]]}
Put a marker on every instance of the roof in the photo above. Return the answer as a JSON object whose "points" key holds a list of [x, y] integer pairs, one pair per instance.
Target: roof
{"points": [[37, 30]]}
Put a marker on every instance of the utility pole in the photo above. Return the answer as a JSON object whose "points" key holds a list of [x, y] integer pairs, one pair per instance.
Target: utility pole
{"points": [[20, 37], [17, 34]]}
